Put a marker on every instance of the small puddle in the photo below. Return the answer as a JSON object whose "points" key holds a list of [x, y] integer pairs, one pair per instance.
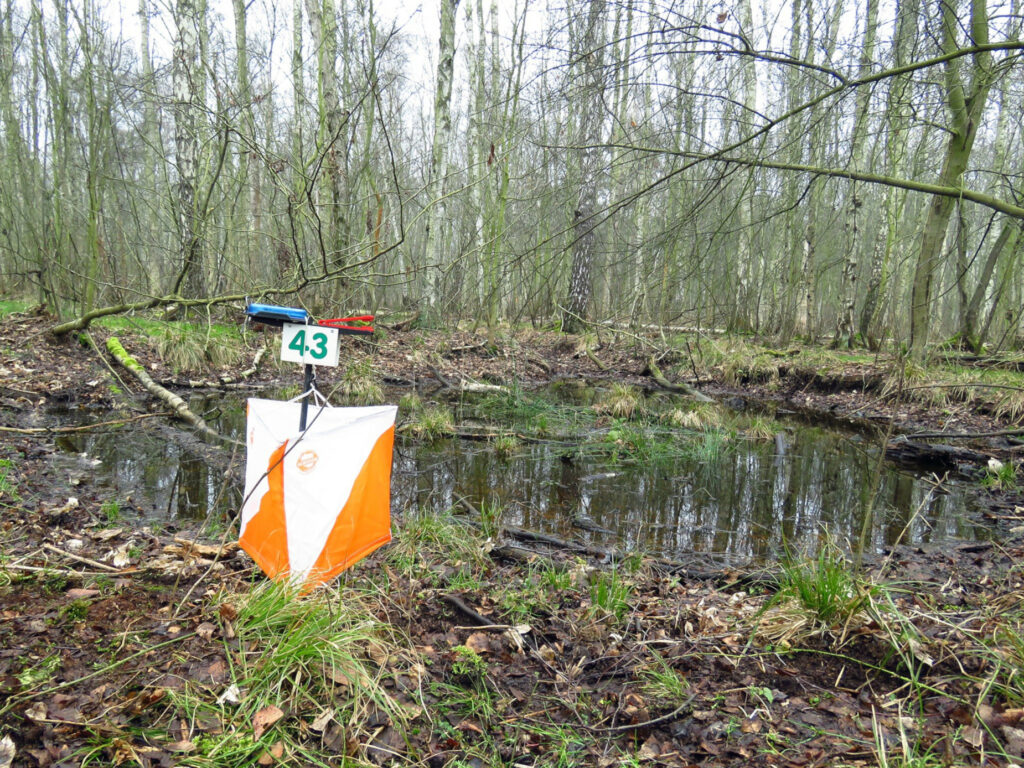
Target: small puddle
{"points": [[739, 497]]}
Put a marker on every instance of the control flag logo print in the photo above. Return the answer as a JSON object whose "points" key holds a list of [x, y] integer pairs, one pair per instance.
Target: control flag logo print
{"points": [[316, 503]]}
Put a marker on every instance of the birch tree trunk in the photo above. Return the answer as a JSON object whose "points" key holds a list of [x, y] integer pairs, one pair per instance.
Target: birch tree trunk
{"points": [[897, 122], [589, 59], [848, 281], [244, 215], [323, 24], [437, 234], [186, 149]]}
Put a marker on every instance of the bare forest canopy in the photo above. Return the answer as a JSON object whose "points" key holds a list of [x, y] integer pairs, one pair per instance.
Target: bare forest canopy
{"points": [[805, 168]]}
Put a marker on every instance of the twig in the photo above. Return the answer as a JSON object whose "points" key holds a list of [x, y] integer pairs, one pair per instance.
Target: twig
{"points": [[58, 571], [968, 435], [83, 428], [79, 558], [477, 618], [636, 726]]}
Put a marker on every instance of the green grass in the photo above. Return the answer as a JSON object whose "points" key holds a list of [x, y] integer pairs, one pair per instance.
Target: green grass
{"points": [[825, 585], [660, 682], [1000, 475], [817, 595], [533, 413], [622, 401], [609, 594], [111, 511], [300, 654], [360, 384], [12, 306], [8, 488], [422, 538], [432, 422]]}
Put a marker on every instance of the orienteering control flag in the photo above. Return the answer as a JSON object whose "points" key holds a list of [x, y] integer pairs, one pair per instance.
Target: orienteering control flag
{"points": [[316, 502]]}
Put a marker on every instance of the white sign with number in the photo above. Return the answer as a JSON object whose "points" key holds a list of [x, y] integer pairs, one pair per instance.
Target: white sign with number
{"points": [[309, 344]]}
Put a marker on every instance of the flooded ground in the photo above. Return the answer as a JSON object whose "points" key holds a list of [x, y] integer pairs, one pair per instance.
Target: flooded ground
{"points": [[725, 492]]}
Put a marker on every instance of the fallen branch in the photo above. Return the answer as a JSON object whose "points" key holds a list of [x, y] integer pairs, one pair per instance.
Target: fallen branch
{"points": [[477, 618], [80, 559], [180, 408], [83, 428], [594, 359], [685, 389], [524, 534], [967, 435]]}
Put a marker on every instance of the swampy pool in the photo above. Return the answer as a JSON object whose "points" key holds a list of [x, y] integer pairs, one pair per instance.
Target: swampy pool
{"points": [[739, 494]]}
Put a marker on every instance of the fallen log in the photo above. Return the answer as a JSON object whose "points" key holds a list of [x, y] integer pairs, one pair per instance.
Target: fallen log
{"points": [[684, 389], [180, 408], [947, 456]]}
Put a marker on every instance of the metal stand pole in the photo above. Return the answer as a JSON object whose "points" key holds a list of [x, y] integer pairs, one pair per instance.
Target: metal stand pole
{"points": [[307, 382]]}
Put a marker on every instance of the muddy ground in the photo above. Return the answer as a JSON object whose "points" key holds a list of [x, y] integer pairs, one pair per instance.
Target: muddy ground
{"points": [[102, 622]]}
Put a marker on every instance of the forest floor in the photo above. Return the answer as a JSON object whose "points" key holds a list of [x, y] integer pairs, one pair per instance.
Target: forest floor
{"points": [[121, 644]]}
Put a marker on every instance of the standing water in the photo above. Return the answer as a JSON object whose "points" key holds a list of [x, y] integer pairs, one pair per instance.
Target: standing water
{"points": [[720, 492]]}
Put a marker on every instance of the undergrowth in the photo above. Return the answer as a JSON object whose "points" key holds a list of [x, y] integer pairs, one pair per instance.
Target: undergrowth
{"points": [[298, 656]]}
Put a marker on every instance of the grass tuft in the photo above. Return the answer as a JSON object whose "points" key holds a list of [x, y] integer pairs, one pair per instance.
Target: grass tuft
{"points": [[360, 384], [293, 655], [433, 422], [621, 401], [817, 595]]}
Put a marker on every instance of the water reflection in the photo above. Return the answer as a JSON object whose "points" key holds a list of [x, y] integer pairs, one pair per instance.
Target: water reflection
{"points": [[746, 502]]}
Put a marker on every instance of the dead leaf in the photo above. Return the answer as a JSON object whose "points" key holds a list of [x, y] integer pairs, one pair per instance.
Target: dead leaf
{"points": [[107, 533], [479, 642], [206, 630], [37, 711], [377, 653], [217, 672], [265, 718], [1014, 740], [272, 755], [79, 594], [180, 746], [751, 725], [973, 736], [322, 720], [650, 749], [228, 612], [120, 557], [7, 751], [232, 695]]}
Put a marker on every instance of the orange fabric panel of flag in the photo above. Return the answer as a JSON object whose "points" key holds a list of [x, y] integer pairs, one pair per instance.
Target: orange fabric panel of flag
{"points": [[369, 504], [266, 536]]}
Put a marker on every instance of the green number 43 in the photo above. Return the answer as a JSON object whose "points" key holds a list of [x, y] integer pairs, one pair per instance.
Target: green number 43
{"points": [[319, 340]]}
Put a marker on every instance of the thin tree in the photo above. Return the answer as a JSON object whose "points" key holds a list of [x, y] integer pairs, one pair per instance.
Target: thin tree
{"points": [[588, 58]]}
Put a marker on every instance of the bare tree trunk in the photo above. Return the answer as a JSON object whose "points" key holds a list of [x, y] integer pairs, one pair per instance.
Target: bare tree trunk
{"points": [[323, 24], [848, 282], [186, 148], [897, 120], [437, 236], [589, 58], [966, 102]]}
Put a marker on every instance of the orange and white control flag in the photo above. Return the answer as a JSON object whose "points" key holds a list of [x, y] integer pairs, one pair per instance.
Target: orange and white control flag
{"points": [[316, 503]]}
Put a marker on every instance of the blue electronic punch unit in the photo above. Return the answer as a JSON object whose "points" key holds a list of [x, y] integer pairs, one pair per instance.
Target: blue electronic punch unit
{"points": [[268, 314]]}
